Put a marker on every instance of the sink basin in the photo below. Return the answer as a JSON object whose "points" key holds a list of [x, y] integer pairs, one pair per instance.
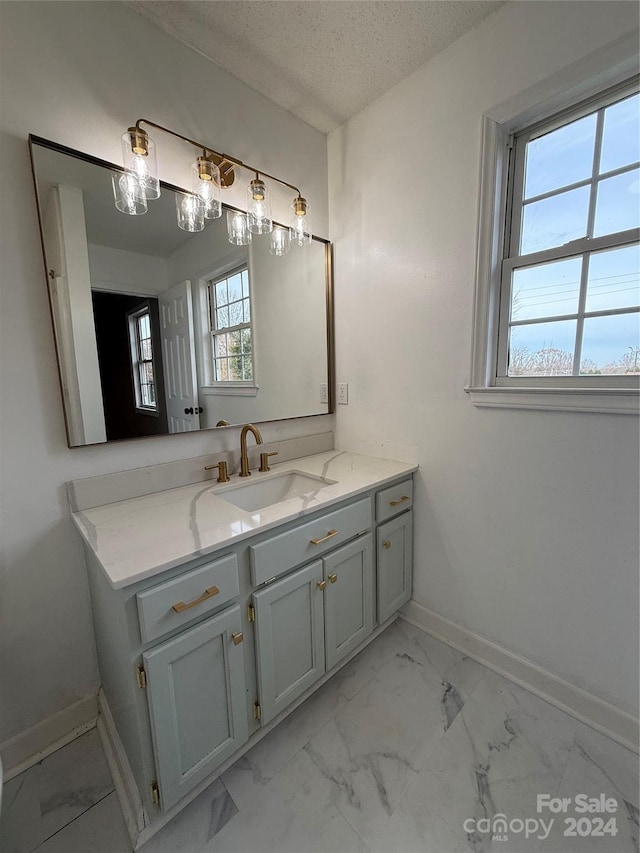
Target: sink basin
{"points": [[261, 493]]}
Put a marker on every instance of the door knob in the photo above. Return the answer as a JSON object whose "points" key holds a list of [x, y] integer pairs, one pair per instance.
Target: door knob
{"points": [[322, 585], [333, 578], [386, 544], [189, 411]]}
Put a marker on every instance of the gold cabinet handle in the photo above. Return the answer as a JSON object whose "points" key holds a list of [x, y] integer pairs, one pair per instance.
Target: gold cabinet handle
{"points": [[333, 578], [386, 544], [399, 501], [237, 637], [322, 585], [329, 535], [208, 593]]}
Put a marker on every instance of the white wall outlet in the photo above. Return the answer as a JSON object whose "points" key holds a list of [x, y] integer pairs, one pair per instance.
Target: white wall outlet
{"points": [[324, 392], [343, 393]]}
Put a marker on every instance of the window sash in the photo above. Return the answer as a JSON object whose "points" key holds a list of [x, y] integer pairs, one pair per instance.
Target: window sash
{"points": [[139, 363]]}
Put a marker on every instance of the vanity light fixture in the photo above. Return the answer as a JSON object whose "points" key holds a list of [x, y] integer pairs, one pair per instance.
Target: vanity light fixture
{"points": [[206, 185], [211, 172], [300, 221], [259, 207], [280, 241], [139, 156], [238, 228], [190, 211]]}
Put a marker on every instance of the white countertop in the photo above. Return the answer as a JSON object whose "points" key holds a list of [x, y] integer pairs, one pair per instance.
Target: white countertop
{"points": [[138, 538]]}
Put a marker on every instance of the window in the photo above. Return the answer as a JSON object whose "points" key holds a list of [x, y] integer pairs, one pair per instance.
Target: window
{"points": [[230, 327], [142, 360], [562, 305], [570, 282]]}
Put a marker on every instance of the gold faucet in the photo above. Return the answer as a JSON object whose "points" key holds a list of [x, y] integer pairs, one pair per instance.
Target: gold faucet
{"points": [[244, 460]]}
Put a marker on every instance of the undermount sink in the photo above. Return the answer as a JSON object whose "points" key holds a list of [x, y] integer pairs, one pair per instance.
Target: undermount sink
{"points": [[275, 489]]}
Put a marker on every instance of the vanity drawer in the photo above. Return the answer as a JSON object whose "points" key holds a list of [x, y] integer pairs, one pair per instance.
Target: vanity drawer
{"points": [[277, 555], [395, 499], [169, 605]]}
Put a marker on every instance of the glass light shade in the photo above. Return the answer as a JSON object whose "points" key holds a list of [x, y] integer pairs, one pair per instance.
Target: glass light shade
{"points": [[207, 188], [139, 159], [259, 207], [125, 193], [280, 241], [190, 210], [238, 228], [300, 221]]}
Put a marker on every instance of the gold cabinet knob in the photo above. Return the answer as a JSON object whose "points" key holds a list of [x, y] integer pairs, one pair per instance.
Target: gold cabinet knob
{"points": [[237, 637], [333, 578], [322, 585], [386, 544]]}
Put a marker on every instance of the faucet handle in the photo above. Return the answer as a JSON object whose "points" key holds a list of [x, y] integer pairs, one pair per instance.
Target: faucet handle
{"points": [[264, 461], [223, 477]]}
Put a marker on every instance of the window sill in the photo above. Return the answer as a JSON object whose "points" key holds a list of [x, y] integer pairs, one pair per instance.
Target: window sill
{"points": [[601, 400], [153, 413], [230, 390]]}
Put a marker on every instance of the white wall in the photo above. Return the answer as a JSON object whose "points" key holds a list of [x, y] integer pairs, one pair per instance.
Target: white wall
{"points": [[526, 522], [80, 73], [127, 272]]}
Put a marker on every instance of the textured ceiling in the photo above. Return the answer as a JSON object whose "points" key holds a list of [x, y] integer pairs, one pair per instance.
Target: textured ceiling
{"points": [[323, 60]]}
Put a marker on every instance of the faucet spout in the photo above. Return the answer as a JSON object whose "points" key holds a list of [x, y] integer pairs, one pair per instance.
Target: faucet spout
{"points": [[244, 459]]}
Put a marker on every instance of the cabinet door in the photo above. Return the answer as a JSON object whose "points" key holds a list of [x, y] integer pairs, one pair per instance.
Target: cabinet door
{"points": [[289, 638], [349, 598], [196, 692], [395, 561]]}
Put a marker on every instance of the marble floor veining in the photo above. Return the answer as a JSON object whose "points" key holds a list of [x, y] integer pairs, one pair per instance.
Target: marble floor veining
{"points": [[410, 747]]}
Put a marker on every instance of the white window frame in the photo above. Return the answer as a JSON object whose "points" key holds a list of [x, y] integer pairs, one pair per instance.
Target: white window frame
{"points": [[133, 318], [615, 395], [233, 387]]}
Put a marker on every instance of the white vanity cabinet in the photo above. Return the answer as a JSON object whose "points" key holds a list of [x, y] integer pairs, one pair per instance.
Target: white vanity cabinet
{"points": [[307, 622], [196, 693], [196, 660], [394, 547]]}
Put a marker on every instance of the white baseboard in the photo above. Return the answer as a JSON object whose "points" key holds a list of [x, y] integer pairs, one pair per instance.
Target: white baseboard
{"points": [[589, 709], [31, 746], [124, 783]]}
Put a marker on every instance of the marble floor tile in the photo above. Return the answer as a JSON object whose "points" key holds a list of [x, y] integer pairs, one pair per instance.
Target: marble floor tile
{"points": [[195, 826], [505, 747], [294, 813], [380, 741], [54, 792], [100, 829]]}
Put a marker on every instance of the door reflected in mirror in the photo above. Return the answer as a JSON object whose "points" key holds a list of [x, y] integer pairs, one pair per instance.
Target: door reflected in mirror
{"points": [[159, 330]]}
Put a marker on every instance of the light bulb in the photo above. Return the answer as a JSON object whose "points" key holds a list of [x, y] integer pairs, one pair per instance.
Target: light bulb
{"points": [[139, 159], [206, 185], [259, 207], [190, 211], [238, 228], [126, 194], [300, 222], [280, 241]]}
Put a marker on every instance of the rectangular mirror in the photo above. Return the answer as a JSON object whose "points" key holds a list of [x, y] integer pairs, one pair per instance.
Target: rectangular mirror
{"points": [[159, 330]]}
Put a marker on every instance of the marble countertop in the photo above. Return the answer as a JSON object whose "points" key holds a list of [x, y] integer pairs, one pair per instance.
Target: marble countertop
{"points": [[138, 538]]}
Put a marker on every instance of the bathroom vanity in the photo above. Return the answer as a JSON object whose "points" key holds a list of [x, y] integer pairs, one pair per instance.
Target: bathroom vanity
{"points": [[220, 608]]}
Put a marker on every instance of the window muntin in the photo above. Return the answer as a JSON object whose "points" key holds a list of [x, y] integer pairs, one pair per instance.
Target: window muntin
{"points": [[142, 360], [570, 297], [230, 327]]}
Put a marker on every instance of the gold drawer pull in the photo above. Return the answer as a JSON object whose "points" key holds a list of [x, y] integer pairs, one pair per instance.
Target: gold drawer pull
{"points": [[208, 593], [399, 501], [333, 578], [386, 544], [322, 585], [329, 535], [237, 637]]}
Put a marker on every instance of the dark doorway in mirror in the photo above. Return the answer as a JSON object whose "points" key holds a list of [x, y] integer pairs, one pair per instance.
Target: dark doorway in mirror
{"points": [[131, 371]]}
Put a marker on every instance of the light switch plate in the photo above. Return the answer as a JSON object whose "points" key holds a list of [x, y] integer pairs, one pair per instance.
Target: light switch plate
{"points": [[324, 392], [343, 393]]}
